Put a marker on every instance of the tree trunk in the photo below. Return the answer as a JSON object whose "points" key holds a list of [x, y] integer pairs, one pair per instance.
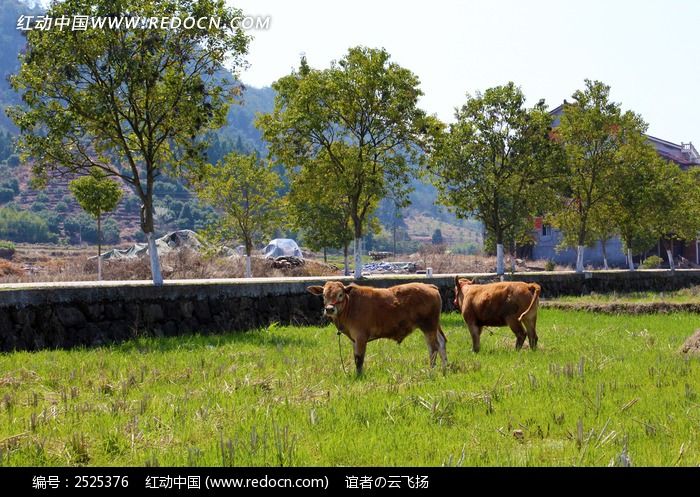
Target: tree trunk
{"points": [[155, 262], [500, 266], [346, 265], [671, 265], [248, 270], [579, 258], [630, 261], [99, 248], [325, 255], [605, 255], [358, 257], [147, 227]]}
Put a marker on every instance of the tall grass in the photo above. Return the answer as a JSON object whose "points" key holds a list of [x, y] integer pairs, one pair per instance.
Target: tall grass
{"points": [[599, 385]]}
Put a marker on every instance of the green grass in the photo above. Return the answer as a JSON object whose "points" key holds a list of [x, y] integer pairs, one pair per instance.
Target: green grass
{"points": [[684, 295], [279, 396]]}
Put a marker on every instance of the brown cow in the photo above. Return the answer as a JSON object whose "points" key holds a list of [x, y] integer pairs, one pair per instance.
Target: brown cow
{"points": [[512, 303], [364, 314]]}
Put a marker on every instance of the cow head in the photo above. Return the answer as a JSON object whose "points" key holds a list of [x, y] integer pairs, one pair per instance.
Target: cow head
{"points": [[335, 297], [459, 283]]}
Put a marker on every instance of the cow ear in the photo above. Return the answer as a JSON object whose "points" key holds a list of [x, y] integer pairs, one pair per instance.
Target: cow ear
{"points": [[316, 290], [348, 288]]}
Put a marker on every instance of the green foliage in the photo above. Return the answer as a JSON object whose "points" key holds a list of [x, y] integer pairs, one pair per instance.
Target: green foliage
{"points": [[23, 226], [7, 245], [82, 228], [652, 262], [497, 162], [356, 125], [437, 237], [244, 189], [61, 206], [6, 195], [549, 265], [96, 193]]}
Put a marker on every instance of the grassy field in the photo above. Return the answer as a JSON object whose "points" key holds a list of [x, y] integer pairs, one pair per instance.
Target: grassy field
{"points": [[684, 295], [597, 387]]}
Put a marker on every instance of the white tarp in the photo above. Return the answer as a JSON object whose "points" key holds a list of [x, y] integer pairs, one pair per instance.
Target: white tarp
{"points": [[174, 240], [280, 247]]}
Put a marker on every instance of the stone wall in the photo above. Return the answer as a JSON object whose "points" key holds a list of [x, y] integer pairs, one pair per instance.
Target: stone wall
{"points": [[63, 315]]}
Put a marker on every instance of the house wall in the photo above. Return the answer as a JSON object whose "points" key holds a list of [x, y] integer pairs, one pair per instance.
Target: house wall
{"points": [[545, 247]]}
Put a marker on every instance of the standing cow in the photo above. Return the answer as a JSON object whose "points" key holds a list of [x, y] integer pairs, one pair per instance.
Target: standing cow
{"points": [[364, 314], [511, 303]]}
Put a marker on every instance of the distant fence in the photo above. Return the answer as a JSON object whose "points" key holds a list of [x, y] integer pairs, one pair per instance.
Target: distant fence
{"points": [[59, 315]]}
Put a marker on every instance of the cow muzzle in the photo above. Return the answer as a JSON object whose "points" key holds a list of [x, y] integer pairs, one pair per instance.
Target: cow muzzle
{"points": [[330, 311]]}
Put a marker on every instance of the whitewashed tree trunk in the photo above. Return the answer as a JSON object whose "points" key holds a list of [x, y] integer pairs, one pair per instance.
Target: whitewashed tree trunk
{"points": [[358, 258], [630, 261], [500, 266], [155, 262], [670, 260], [605, 255], [99, 248], [248, 270], [579, 258], [346, 265]]}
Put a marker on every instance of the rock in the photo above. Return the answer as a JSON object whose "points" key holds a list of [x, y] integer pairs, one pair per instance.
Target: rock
{"points": [[70, 317]]}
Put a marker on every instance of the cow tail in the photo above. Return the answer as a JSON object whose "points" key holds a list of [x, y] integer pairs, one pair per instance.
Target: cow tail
{"points": [[536, 296]]}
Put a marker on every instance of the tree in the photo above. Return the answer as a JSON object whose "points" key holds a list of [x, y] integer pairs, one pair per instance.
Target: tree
{"points": [[96, 194], [592, 133], [245, 189], [496, 163], [635, 191], [131, 102], [362, 114], [314, 210], [676, 215], [437, 237]]}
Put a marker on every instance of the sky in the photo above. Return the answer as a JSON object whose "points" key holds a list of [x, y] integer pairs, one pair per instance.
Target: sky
{"points": [[648, 51]]}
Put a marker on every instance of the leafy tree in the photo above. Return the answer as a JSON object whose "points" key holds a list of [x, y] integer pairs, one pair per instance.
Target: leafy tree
{"points": [[132, 103], [635, 192], [362, 115], [437, 238], [676, 212], [324, 222], [97, 195], [245, 189], [497, 163], [592, 133]]}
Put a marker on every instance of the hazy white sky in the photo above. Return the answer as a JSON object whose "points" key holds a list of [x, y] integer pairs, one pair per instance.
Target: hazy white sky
{"points": [[648, 51]]}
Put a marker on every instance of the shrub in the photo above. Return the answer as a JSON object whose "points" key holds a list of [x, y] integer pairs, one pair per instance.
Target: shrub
{"points": [[6, 194], [653, 262], [549, 265], [61, 206], [7, 249], [23, 226]]}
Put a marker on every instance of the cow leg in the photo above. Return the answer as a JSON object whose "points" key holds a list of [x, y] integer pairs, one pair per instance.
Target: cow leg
{"points": [[531, 325], [476, 336], [360, 347], [519, 331], [442, 343], [436, 343]]}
